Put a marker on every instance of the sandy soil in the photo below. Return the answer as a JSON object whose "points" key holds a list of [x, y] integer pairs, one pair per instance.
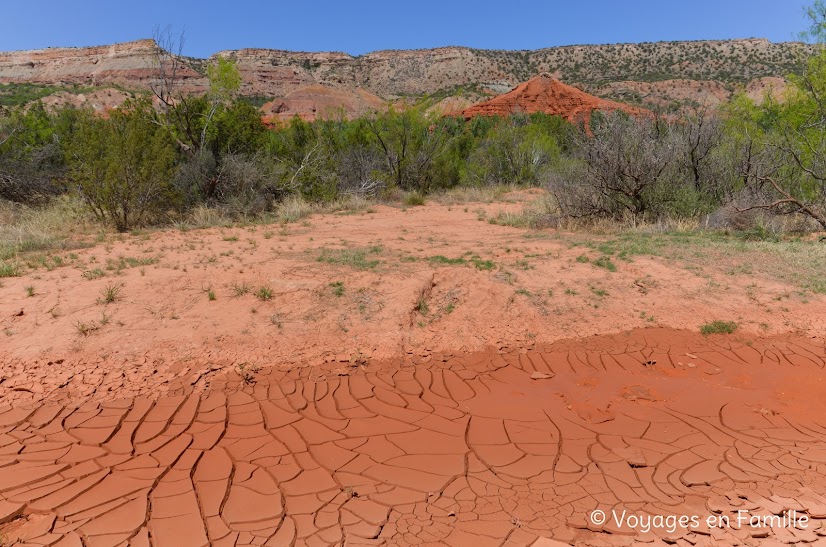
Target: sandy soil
{"points": [[379, 390]]}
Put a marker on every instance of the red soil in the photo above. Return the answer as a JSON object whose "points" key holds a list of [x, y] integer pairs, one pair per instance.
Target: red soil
{"points": [[425, 403], [548, 95]]}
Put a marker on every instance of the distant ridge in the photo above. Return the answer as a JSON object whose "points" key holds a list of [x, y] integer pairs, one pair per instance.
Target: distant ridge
{"points": [[648, 74]]}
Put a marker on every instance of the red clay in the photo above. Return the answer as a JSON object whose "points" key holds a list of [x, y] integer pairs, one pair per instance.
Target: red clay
{"points": [[409, 402]]}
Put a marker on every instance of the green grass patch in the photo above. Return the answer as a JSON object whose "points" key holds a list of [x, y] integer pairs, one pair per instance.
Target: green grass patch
{"points": [[439, 259], [718, 327], [359, 259], [10, 269], [337, 288], [605, 262], [480, 264]]}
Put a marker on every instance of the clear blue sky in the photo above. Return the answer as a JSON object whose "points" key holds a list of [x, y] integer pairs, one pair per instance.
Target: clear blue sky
{"points": [[358, 27]]}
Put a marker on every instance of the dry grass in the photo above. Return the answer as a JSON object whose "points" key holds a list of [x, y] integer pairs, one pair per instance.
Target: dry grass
{"points": [[474, 194], [61, 226]]}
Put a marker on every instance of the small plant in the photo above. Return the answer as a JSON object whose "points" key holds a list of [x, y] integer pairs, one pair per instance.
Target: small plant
{"points": [[605, 262], [30, 291], [94, 274], [482, 264], [264, 293], [338, 288], [583, 259], [240, 289], [248, 372], [718, 327], [211, 295], [110, 294], [422, 306], [85, 329]]}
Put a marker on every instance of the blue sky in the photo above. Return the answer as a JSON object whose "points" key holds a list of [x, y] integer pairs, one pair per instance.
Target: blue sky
{"points": [[358, 27]]}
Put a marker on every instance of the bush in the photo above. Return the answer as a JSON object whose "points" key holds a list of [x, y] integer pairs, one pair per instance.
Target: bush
{"points": [[123, 166]]}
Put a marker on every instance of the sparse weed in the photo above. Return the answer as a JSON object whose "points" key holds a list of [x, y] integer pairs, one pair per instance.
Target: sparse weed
{"points": [[240, 289], [110, 293]]}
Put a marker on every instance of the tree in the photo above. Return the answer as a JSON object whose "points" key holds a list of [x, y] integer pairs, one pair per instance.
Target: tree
{"points": [[31, 161], [518, 150], [786, 169], [122, 167], [625, 167], [409, 144], [188, 118]]}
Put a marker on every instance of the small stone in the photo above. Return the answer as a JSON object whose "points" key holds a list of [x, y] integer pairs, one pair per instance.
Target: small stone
{"points": [[541, 375]]}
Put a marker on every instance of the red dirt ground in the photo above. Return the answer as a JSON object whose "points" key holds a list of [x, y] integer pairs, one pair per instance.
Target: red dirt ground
{"points": [[380, 397]]}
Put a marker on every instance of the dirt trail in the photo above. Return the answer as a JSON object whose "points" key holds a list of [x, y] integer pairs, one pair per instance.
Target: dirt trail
{"points": [[418, 377]]}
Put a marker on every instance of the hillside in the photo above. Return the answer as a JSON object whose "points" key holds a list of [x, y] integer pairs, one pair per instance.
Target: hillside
{"points": [[660, 74]]}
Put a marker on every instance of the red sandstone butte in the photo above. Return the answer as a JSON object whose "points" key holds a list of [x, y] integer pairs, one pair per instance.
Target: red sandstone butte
{"points": [[548, 95]]}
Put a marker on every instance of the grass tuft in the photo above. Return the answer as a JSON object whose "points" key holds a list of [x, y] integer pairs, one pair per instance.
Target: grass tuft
{"points": [[718, 327], [264, 293], [110, 293]]}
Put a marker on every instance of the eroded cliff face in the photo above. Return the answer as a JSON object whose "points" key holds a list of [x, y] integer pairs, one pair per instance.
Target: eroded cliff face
{"points": [[130, 64], [658, 73]]}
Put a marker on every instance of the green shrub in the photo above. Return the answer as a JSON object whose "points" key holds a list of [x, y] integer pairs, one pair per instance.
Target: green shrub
{"points": [[123, 166]]}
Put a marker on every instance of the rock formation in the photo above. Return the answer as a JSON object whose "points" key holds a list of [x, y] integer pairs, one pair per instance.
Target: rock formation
{"points": [[548, 95], [317, 101]]}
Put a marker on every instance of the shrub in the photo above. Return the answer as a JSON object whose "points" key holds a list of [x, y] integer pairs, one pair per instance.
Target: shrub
{"points": [[123, 166]]}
